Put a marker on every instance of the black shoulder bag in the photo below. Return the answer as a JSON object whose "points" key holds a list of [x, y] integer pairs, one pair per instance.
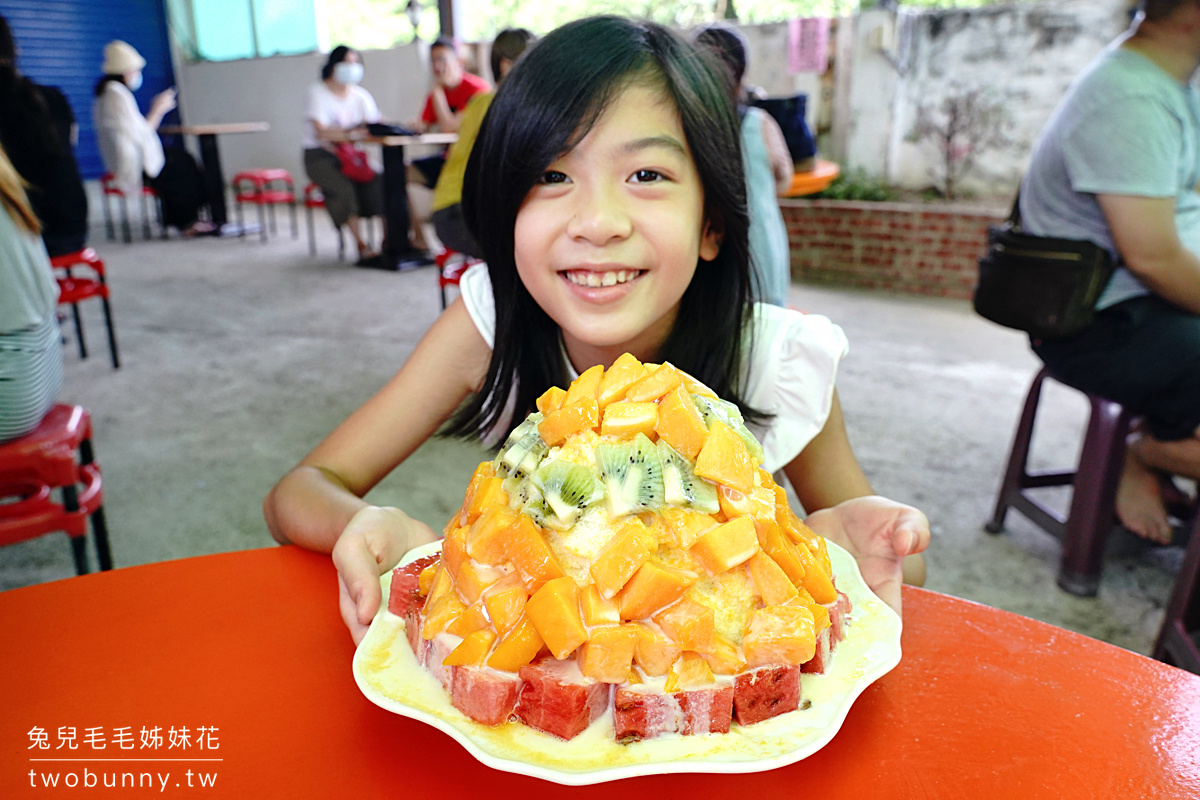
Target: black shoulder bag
{"points": [[1045, 286]]}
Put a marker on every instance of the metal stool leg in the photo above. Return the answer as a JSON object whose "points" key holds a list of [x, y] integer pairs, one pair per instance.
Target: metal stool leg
{"points": [[78, 549], [79, 340]]}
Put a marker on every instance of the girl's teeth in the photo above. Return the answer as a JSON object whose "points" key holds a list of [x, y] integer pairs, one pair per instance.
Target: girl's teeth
{"points": [[595, 279]]}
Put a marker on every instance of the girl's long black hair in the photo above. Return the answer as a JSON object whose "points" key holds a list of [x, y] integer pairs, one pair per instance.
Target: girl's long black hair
{"points": [[546, 105]]}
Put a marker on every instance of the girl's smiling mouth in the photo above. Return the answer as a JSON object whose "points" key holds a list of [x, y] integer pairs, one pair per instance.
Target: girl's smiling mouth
{"points": [[596, 279]]}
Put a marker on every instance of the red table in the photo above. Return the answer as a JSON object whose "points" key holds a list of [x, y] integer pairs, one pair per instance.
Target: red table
{"points": [[984, 704]]}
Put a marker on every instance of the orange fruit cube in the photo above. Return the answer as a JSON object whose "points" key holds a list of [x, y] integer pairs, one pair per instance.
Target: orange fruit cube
{"points": [[660, 381], [687, 525], [585, 386], [724, 658], [425, 579], [680, 423], [627, 419], [505, 607], [816, 578], [760, 503], [654, 651], [454, 550], [473, 619], [624, 554], [608, 654], [690, 671], [690, 624], [727, 545], [489, 493], [624, 372], [696, 387], [440, 613], [783, 635], [551, 399], [487, 536], [554, 611], [725, 459], [472, 650], [530, 554], [472, 579], [781, 549], [581, 415], [442, 584], [483, 471], [518, 647], [771, 581], [595, 609], [652, 587]]}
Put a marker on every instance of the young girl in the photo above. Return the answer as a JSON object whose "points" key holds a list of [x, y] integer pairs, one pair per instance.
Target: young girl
{"points": [[606, 190]]}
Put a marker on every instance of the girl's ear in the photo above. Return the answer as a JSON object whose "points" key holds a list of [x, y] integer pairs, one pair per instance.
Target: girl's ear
{"points": [[710, 240]]}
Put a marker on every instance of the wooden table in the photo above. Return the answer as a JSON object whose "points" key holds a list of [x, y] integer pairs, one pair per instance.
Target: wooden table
{"points": [[984, 704], [210, 155], [398, 253]]}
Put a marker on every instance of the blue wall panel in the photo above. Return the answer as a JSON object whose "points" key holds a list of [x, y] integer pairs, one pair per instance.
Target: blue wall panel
{"points": [[61, 43]]}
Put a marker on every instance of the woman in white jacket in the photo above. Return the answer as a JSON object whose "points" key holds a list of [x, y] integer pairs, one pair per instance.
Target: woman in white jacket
{"points": [[130, 146]]}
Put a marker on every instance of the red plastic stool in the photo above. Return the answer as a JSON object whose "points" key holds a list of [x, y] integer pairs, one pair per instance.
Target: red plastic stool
{"points": [[451, 265], [314, 199], [265, 188], [1179, 638], [110, 189], [74, 288], [1084, 531], [55, 455]]}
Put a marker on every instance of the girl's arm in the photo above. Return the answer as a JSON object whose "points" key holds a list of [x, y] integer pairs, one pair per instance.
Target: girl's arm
{"points": [[319, 504], [777, 150], [885, 537]]}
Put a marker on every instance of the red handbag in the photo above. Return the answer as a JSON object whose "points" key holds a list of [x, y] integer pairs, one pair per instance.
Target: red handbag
{"points": [[354, 163]]}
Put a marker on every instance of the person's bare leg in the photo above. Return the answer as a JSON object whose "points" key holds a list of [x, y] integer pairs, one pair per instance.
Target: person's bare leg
{"points": [[1139, 496], [355, 226]]}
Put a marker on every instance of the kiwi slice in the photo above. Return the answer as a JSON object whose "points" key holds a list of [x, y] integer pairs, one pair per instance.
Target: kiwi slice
{"points": [[632, 474], [683, 487], [566, 490], [725, 411], [522, 450]]}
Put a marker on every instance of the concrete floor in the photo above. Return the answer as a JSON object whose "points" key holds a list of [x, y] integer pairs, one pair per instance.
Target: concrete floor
{"points": [[237, 357]]}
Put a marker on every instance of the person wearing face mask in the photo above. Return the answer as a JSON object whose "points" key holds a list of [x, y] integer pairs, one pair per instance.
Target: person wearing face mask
{"points": [[338, 110], [130, 147]]}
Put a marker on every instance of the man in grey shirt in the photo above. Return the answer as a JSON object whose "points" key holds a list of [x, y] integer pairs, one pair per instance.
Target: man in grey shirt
{"points": [[1118, 164]]}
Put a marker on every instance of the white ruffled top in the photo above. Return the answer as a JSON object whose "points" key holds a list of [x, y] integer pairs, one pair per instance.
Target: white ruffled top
{"points": [[791, 370]]}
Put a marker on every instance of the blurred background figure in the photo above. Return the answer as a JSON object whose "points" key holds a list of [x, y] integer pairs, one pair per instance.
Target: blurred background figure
{"points": [[130, 146], [448, 220], [31, 360], [337, 111], [767, 165], [37, 128]]}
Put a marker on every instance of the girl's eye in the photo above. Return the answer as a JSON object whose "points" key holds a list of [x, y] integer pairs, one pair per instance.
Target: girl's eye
{"points": [[552, 176], [646, 176]]}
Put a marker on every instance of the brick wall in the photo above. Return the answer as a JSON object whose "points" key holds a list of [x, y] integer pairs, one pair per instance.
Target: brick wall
{"points": [[914, 248]]}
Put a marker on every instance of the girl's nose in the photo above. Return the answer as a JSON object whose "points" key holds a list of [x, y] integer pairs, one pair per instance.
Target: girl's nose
{"points": [[599, 216]]}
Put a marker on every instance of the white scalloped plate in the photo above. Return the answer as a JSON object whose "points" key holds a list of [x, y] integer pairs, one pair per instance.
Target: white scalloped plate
{"points": [[388, 674]]}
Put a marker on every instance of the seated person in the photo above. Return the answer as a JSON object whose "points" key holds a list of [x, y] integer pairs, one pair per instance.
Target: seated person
{"points": [[448, 220]]}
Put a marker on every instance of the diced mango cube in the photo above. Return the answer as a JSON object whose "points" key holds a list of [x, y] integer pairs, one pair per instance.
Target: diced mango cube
{"points": [[471, 620], [783, 635], [660, 381], [727, 545], [654, 651], [690, 671], [771, 581], [624, 372], [487, 535], [724, 658], [608, 654], [472, 579], [585, 386], [759, 504], [595, 609], [554, 611], [505, 607], [652, 587], [454, 550], [440, 613], [687, 525], [781, 549], [620, 559], [816, 578], [725, 459], [488, 494], [517, 648], [689, 623], [425, 579], [571, 418], [551, 400], [629, 419], [680, 423], [528, 551], [472, 650]]}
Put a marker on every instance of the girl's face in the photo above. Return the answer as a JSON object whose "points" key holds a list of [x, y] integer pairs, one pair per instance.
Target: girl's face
{"points": [[608, 239]]}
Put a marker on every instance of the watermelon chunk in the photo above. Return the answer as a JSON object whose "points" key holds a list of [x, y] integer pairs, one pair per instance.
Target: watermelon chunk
{"points": [[405, 581], [557, 699], [643, 715], [821, 659], [412, 629], [705, 710], [766, 692], [484, 695], [438, 648]]}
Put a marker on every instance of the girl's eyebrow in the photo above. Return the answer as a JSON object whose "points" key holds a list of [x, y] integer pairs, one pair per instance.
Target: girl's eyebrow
{"points": [[645, 143]]}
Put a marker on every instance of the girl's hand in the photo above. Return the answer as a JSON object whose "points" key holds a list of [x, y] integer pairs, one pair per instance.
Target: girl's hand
{"points": [[879, 533], [372, 543]]}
